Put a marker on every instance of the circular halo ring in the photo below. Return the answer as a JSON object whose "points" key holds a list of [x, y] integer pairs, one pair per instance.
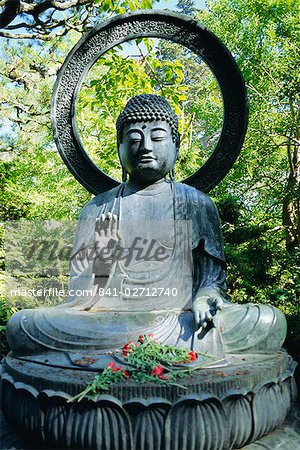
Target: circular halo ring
{"points": [[156, 24]]}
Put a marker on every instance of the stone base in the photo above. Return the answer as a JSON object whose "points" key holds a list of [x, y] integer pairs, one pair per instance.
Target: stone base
{"points": [[222, 408], [285, 437]]}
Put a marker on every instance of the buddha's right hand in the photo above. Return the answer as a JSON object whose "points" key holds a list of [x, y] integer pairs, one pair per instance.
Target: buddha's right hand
{"points": [[206, 304], [107, 239]]}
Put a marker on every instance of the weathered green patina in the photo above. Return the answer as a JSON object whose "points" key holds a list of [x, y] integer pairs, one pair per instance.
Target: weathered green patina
{"points": [[186, 266]]}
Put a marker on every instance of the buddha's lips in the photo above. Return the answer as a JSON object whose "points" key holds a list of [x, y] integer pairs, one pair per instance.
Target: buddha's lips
{"points": [[147, 158]]}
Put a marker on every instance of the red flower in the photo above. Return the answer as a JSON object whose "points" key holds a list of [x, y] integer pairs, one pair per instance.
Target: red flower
{"points": [[127, 348], [192, 356], [112, 366], [142, 337], [157, 370], [125, 354], [126, 374]]}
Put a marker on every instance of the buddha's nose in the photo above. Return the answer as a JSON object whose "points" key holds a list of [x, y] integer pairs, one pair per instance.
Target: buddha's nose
{"points": [[147, 144]]}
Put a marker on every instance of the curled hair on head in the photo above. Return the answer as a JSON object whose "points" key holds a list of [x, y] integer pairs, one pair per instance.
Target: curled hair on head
{"points": [[147, 108]]}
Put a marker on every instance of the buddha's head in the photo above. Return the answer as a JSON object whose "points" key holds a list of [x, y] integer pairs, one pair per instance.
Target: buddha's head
{"points": [[148, 138]]}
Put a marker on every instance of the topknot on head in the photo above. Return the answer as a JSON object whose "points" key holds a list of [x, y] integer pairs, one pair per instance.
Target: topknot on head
{"points": [[147, 108]]}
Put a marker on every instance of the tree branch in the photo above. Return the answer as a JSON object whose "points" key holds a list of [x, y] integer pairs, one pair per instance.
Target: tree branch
{"points": [[37, 9], [41, 27], [11, 10], [25, 36]]}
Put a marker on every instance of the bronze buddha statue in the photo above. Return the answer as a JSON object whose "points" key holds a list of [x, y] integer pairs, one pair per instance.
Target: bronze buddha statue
{"points": [[148, 257]]}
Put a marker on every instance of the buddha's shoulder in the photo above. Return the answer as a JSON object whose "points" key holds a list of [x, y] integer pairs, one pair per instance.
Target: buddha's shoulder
{"points": [[193, 195], [99, 201]]}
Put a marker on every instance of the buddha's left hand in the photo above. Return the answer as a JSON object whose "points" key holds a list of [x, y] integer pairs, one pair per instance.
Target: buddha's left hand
{"points": [[206, 304]]}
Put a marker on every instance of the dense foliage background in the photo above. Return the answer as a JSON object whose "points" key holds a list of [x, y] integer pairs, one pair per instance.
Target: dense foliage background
{"points": [[259, 201]]}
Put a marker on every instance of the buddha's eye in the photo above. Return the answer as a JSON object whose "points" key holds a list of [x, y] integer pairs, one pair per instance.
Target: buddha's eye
{"points": [[134, 137], [158, 135]]}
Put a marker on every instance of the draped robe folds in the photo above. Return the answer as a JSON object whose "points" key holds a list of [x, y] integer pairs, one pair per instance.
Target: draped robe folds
{"points": [[104, 323], [196, 260]]}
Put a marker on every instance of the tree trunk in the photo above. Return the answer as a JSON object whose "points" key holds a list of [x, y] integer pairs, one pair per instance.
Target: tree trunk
{"points": [[291, 202]]}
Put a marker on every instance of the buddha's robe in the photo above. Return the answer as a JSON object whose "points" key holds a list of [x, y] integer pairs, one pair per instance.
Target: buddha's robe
{"points": [[153, 295]]}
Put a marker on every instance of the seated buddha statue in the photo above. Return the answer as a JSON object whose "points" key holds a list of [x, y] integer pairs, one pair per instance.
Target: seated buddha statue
{"points": [[148, 258]]}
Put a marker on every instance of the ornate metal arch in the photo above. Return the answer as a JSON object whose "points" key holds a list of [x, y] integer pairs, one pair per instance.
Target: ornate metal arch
{"points": [[160, 24]]}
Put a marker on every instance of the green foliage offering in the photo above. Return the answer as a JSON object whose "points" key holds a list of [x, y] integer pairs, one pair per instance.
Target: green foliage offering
{"points": [[147, 361]]}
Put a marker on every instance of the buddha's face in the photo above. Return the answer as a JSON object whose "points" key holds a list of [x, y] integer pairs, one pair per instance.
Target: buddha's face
{"points": [[147, 151]]}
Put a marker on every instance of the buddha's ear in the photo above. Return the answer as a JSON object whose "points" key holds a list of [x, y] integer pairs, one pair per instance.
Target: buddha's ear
{"points": [[177, 143], [119, 143], [124, 175]]}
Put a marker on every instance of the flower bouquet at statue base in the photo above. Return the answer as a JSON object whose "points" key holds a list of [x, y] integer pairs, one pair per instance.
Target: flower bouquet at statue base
{"points": [[148, 361]]}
